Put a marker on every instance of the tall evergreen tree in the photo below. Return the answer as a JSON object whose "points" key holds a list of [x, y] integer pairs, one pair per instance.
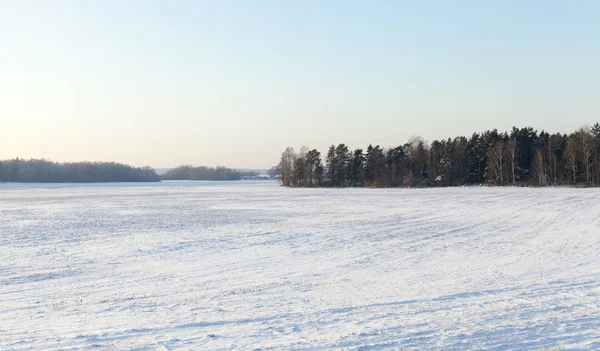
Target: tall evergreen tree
{"points": [[342, 164], [330, 162], [357, 168]]}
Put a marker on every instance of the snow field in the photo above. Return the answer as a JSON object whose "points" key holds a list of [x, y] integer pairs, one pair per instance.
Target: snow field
{"points": [[252, 266]]}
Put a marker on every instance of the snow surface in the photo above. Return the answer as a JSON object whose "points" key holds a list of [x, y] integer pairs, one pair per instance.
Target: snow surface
{"points": [[252, 266]]}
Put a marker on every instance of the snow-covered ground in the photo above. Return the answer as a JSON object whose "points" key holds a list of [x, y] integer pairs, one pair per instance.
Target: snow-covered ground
{"points": [[252, 266]]}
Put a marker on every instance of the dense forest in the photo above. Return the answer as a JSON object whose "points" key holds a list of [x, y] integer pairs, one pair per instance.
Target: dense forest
{"points": [[43, 171], [519, 157], [203, 173]]}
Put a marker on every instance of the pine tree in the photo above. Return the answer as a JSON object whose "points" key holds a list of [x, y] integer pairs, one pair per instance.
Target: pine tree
{"points": [[330, 162], [357, 168], [369, 166], [342, 164]]}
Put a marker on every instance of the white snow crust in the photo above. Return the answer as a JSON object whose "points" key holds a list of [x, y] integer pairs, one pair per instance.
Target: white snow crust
{"points": [[253, 266]]}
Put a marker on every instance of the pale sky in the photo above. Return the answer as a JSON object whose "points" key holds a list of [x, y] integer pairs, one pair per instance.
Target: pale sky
{"points": [[164, 83]]}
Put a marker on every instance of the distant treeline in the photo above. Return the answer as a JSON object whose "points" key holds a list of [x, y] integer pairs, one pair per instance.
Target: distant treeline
{"points": [[519, 157], [204, 173], [43, 171]]}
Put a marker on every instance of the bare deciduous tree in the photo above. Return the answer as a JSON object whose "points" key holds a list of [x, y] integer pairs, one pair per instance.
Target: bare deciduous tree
{"points": [[286, 166], [511, 147], [496, 162], [540, 169], [571, 154]]}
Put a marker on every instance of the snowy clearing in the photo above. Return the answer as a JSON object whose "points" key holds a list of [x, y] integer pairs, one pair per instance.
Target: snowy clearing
{"points": [[252, 266]]}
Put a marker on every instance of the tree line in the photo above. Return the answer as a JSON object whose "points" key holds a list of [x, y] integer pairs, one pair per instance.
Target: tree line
{"points": [[520, 157], [44, 171], [204, 173]]}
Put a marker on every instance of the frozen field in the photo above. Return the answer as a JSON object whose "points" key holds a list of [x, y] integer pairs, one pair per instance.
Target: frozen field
{"points": [[252, 266]]}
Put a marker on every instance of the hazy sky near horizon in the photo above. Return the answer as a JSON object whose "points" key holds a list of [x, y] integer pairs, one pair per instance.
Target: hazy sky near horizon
{"points": [[164, 83]]}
